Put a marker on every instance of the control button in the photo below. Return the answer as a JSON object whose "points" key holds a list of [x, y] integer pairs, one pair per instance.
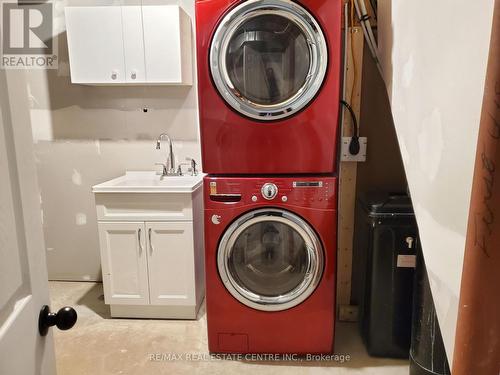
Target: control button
{"points": [[269, 191], [254, 198], [284, 198]]}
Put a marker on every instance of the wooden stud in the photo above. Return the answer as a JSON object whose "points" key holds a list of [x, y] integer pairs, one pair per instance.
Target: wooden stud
{"points": [[348, 173]]}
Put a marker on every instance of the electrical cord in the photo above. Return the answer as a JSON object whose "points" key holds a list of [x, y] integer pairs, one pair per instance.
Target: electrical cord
{"points": [[353, 57], [354, 146]]}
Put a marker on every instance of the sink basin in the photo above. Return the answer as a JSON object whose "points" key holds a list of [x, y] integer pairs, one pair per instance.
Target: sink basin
{"points": [[150, 182]]}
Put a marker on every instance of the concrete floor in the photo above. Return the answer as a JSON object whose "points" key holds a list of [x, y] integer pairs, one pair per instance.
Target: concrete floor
{"points": [[101, 345]]}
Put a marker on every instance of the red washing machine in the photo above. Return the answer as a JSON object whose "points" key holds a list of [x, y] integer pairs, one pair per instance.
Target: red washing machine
{"points": [[270, 247], [269, 85]]}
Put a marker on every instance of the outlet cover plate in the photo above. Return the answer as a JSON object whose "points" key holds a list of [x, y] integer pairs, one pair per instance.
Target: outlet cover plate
{"points": [[345, 155]]}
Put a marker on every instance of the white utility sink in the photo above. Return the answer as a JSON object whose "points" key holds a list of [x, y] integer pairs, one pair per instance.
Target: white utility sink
{"points": [[150, 182], [151, 240]]}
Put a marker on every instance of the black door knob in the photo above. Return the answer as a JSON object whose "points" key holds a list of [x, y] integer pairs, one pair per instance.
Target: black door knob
{"points": [[64, 319]]}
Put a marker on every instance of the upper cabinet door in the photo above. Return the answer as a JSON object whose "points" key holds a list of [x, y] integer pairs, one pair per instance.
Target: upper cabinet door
{"points": [[133, 43], [167, 44], [129, 45], [171, 263], [124, 263], [95, 44]]}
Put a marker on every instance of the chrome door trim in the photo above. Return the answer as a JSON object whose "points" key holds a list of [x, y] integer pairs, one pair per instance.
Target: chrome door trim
{"points": [[282, 302], [317, 50]]}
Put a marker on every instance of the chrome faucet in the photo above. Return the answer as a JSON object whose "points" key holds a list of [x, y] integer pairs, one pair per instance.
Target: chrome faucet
{"points": [[171, 170]]}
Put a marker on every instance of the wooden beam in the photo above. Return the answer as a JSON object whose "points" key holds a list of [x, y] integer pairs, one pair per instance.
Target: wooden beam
{"points": [[347, 184]]}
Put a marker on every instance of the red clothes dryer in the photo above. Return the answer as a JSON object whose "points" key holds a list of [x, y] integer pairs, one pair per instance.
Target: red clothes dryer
{"points": [[270, 247], [269, 85]]}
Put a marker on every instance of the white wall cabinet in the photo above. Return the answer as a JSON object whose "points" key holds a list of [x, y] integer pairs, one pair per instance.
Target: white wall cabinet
{"points": [[95, 52], [129, 45], [167, 44], [152, 268], [133, 44]]}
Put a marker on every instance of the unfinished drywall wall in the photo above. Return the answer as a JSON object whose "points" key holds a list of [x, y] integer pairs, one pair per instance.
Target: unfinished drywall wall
{"points": [[383, 169], [85, 135], [434, 56]]}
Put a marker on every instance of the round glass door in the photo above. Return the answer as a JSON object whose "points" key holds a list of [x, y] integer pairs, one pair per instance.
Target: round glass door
{"points": [[270, 260], [268, 58]]}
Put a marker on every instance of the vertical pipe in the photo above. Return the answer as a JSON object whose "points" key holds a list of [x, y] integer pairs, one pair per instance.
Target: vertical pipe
{"points": [[367, 30], [371, 37], [477, 341]]}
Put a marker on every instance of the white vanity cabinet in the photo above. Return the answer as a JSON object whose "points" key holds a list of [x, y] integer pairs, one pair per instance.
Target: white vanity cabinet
{"points": [[129, 45], [151, 253], [167, 244], [124, 263]]}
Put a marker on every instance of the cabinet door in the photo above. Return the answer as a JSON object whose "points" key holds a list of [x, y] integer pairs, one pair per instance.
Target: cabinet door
{"points": [[133, 43], [95, 44], [124, 263], [167, 44], [171, 263]]}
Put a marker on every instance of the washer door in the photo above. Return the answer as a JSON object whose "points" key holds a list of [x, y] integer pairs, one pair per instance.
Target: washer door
{"points": [[268, 58], [270, 259]]}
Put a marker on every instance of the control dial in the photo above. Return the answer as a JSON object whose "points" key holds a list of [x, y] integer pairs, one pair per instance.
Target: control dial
{"points": [[269, 191]]}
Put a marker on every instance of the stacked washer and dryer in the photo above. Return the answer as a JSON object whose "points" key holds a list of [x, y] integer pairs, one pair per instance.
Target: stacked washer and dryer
{"points": [[269, 86]]}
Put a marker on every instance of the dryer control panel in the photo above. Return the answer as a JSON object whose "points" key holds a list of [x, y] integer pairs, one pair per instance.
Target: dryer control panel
{"points": [[319, 192]]}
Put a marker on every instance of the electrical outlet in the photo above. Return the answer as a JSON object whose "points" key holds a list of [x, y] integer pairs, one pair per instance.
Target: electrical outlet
{"points": [[345, 155]]}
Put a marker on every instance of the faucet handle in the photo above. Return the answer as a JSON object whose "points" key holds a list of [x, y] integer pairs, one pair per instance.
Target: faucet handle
{"points": [[179, 169], [194, 171], [164, 166]]}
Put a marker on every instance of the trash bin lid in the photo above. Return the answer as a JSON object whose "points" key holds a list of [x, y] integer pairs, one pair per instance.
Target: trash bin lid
{"points": [[383, 204]]}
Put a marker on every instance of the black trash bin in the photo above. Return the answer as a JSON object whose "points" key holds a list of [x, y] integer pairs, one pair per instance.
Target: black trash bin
{"points": [[386, 240], [427, 354]]}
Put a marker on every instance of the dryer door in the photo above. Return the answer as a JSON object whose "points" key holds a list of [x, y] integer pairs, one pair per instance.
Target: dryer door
{"points": [[270, 259], [268, 58]]}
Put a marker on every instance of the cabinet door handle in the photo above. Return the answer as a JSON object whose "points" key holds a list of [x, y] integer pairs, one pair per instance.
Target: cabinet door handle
{"points": [[140, 240], [151, 248]]}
